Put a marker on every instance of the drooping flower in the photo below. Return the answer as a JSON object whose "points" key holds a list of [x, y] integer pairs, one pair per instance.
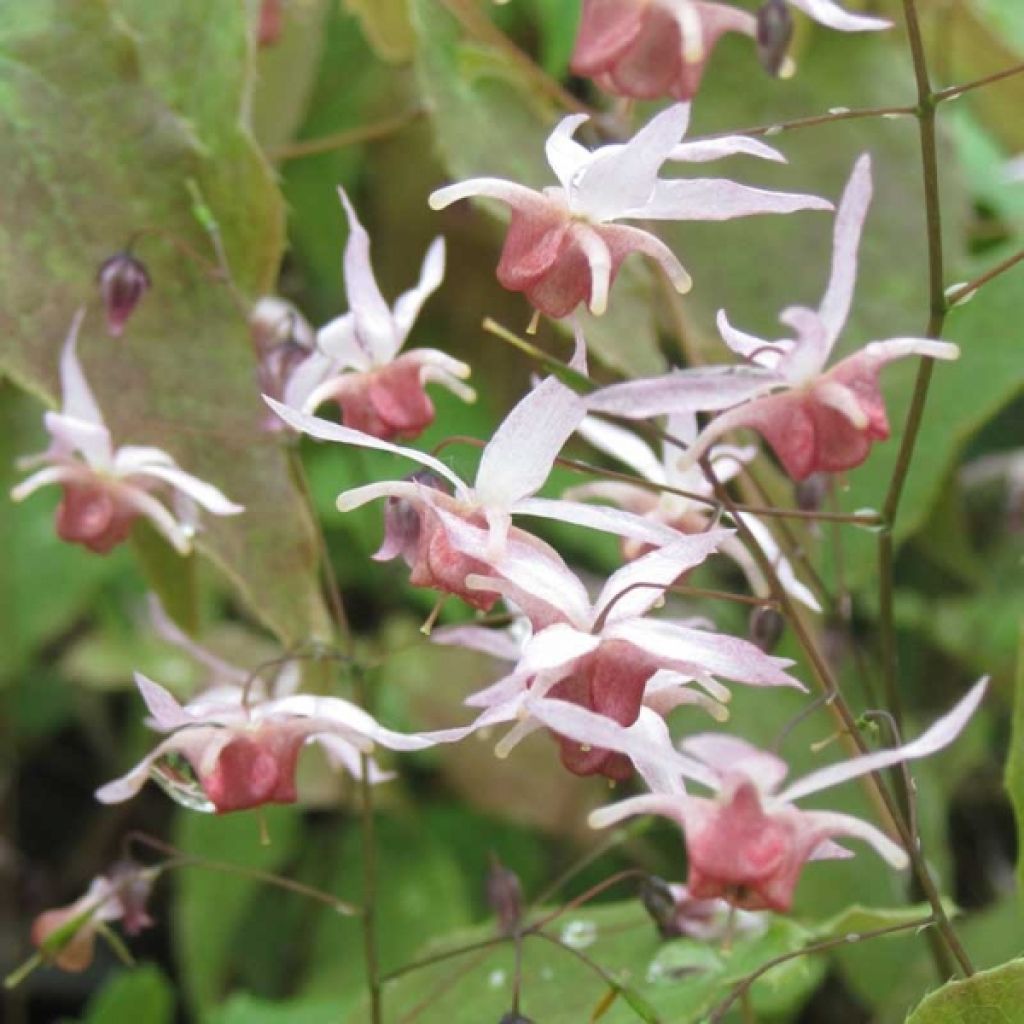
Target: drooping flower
{"points": [[646, 49], [283, 340], [66, 936], [233, 753], [357, 362], [608, 657], [815, 419], [564, 245], [513, 467], [676, 913], [106, 490], [749, 842], [688, 515]]}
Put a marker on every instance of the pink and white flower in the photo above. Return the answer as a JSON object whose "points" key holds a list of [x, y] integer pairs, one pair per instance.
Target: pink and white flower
{"points": [[513, 467], [244, 753], [646, 49], [357, 363], [815, 419], [688, 515], [564, 245], [106, 490], [749, 842], [609, 657]]}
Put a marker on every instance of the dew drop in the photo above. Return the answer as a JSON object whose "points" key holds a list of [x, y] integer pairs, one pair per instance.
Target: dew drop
{"points": [[579, 934], [176, 777], [496, 978]]}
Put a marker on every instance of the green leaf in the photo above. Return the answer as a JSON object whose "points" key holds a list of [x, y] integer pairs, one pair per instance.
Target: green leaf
{"points": [[677, 981], [386, 24], [1015, 761], [243, 1008], [490, 119], [143, 994], [989, 997], [211, 905], [857, 919], [105, 122]]}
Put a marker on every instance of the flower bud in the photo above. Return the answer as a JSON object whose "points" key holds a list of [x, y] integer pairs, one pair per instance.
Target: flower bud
{"points": [[774, 31], [766, 626], [402, 521], [660, 903], [810, 494], [123, 280], [504, 896], [512, 1017]]}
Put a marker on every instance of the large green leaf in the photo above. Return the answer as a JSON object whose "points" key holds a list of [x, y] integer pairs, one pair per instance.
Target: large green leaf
{"points": [[104, 126], [1015, 763], [490, 119], [679, 980], [211, 905], [143, 994], [989, 997]]}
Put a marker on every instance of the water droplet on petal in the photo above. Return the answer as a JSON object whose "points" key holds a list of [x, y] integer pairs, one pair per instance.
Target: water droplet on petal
{"points": [[176, 777]]}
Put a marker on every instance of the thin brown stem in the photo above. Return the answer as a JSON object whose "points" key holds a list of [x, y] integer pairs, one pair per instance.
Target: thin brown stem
{"points": [[961, 293], [777, 127], [352, 137], [997, 76]]}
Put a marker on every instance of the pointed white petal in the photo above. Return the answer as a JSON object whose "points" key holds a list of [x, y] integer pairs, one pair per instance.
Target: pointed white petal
{"points": [[77, 399], [210, 497], [940, 735], [46, 476], [409, 304], [487, 188], [759, 350], [631, 450], [835, 824], [565, 155], [599, 517], [498, 643], [900, 348], [599, 259], [714, 199], [725, 754], [326, 431], [71, 434], [338, 342], [705, 150], [167, 713], [556, 647], [833, 16], [519, 457]]}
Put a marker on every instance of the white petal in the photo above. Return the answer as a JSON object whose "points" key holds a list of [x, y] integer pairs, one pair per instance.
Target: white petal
{"points": [[599, 259], [900, 348], [72, 434], [714, 199], [833, 16], [167, 630], [940, 735], [705, 150], [619, 178], [487, 188], [853, 209], [338, 341], [761, 351], [735, 549], [498, 643], [327, 431], [660, 568], [312, 382], [375, 327], [409, 304], [599, 517], [555, 647], [835, 824], [725, 754], [624, 445], [157, 513], [77, 399], [519, 457], [212, 499], [671, 807], [703, 390], [167, 713], [46, 476], [565, 155]]}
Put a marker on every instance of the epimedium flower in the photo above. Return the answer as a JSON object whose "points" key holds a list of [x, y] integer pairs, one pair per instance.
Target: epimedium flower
{"points": [[564, 244], [357, 362], [66, 936], [283, 340], [646, 49], [106, 489], [243, 753], [688, 515], [816, 419], [609, 657], [513, 467], [749, 842]]}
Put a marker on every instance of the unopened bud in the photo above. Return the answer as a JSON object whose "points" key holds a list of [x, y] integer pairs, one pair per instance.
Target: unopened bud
{"points": [[766, 626], [504, 896], [774, 31], [123, 280], [133, 885], [271, 23], [660, 903], [810, 494], [512, 1017]]}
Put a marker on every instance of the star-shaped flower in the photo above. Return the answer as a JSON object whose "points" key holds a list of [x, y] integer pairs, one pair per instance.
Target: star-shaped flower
{"points": [[609, 657], [358, 364], [749, 842], [815, 419], [564, 245], [106, 490], [513, 467]]}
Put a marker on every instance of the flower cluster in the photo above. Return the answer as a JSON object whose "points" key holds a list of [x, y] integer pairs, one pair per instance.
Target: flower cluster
{"points": [[608, 672]]}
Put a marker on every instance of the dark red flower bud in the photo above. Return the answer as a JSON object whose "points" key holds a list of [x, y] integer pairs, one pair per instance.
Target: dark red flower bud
{"points": [[774, 31], [271, 23], [810, 494], [766, 626], [504, 896], [123, 280]]}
